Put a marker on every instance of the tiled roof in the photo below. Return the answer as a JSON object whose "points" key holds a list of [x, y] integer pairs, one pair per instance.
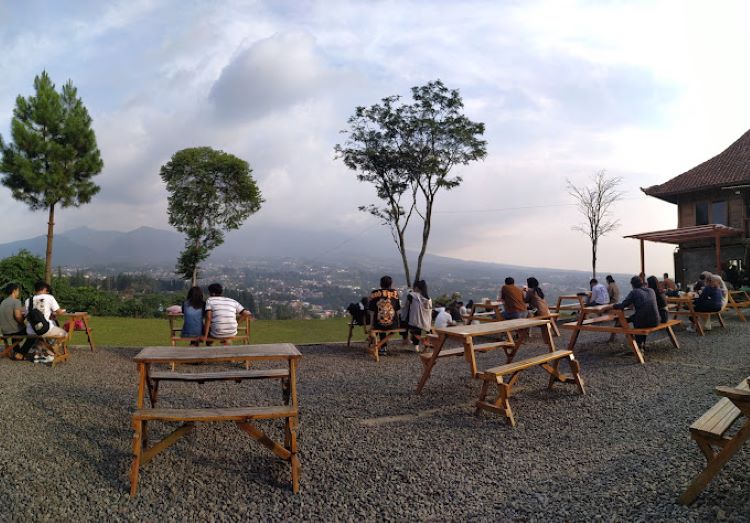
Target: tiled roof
{"points": [[731, 167]]}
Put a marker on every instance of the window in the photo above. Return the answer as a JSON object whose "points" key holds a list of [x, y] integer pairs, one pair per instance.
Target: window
{"points": [[701, 213], [719, 213]]}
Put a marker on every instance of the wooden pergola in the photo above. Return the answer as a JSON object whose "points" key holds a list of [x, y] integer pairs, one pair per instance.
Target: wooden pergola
{"points": [[686, 234]]}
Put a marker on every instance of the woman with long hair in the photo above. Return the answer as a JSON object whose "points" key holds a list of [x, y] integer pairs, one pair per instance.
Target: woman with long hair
{"points": [[534, 296], [193, 309], [420, 311], [661, 299]]}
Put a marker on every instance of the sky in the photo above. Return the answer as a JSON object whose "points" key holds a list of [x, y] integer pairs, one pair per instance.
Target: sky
{"points": [[643, 90]]}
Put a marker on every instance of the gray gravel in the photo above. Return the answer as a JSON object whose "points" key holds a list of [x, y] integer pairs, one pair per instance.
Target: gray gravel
{"points": [[372, 450]]}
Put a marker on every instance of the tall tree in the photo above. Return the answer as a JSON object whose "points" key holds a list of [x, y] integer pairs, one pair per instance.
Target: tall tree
{"points": [[407, 151], [209, 192], [53, 155], [594, 202]]}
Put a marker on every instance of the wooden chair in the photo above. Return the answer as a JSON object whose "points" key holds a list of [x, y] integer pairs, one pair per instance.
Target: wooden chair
{"points": [[501, 405], [709, 432], [739, 300]]}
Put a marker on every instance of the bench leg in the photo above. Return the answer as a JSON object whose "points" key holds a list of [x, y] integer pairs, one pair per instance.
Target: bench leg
{"points": [[290, 442], [673, 338], [285, 391], [704, 478], [501, 405], [630, 341], [721, 320], [137, 451], [482, 396], [427, 370], [349, 338]]}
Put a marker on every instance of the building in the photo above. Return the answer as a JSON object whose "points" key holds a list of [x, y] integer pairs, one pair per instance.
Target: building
{"points": [[713, 215]]}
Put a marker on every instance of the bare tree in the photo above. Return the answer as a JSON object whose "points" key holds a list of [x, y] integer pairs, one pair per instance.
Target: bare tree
{"points": [[594, 202]]}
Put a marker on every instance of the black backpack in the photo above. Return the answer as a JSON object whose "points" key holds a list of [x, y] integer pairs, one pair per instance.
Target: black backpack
{"points": [[36, 319]]}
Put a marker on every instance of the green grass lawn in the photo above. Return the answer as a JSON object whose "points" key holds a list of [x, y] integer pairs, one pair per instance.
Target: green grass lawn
{"points": [[136, 332]]}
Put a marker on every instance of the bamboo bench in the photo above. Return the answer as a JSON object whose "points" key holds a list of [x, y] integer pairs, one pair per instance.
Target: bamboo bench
{"points": [[60, 349], [620, 326], [548, 361], [741, 302], [242, 416], [709, 432]]}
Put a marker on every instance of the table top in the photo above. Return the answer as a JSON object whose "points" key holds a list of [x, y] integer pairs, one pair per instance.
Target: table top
{"points": [[222, 353], [494, 327], [597, 309], [679, 299], [79, 314]]}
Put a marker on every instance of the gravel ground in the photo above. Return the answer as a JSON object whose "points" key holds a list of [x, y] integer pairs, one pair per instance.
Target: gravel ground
{"points": [[372, 450]]}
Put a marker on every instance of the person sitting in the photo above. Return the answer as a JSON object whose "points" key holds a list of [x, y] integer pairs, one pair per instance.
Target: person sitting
{"points": [[643, 301], [43, 301], [534, 296], [661, 299], [443, 318], [669, 286], [455, 311], [420, 311], [358, 311], [11, 319], [709, 300], [462, 309], [512, 297], [193, 310], [383, 306], [612, 290], [698, 286], [599, 294], [221, 315]]}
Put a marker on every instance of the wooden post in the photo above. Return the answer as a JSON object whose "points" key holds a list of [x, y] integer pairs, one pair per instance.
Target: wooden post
{"points": [[718, 254], [643, 261]]}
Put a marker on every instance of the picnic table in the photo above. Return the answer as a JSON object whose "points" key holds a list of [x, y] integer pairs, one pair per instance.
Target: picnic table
{"points": [[603, 318], [56, 344], [148, 382], [467, 333], [739, 300], [485, 311], [84, 318], [683, 306], [577, 299]]}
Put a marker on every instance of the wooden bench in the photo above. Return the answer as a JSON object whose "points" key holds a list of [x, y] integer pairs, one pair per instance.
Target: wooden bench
{"points": [[231, 375], [560, 306], [739, 300], [378, 338], [620, 326], [684, 307], [548, 361], [242, 336], [709, 432], [57, 344], [242, 416]]}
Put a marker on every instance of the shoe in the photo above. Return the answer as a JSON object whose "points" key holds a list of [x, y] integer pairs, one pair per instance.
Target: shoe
{"points": [[46, 359]]}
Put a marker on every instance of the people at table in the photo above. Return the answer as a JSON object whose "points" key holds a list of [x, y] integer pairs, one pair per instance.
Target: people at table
{"points": [[221, 314], [612, 289], [643, 301], [193, 310], [419, 305], [599, 294], [709, 299], [384, 305], [462, 309], [661, 298], [11, 319], [443, 318], [45, 302], [513, 300], [534, 297]]}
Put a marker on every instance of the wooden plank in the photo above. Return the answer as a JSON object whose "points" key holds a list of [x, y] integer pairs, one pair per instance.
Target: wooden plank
{"points": [[445, 353], [509, 368], [167, 442], [224, 353], [495, 327], [717, 420], [215, 414], [220, 376]]}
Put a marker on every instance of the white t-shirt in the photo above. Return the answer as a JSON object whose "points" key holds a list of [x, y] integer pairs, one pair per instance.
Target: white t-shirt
{"points": [[45, 303], [224, 313], [443, 319]]}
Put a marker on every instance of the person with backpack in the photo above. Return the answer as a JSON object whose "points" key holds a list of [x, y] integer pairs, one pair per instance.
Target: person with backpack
{"points": [[384, 305], [41, 309]]}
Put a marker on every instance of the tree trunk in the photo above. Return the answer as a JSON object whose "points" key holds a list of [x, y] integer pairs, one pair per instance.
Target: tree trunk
{"points": [[425, 237], [593, 259], [48, 256], [194, 280], [404, 260]]}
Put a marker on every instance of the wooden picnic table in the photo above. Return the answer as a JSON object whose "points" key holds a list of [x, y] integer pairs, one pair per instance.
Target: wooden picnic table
{"points": [[84, 317], [56, 344], [148, 382], [577, 298], [684, 306], [467, 333], [485, 311], [739, 300], [604, 318]]}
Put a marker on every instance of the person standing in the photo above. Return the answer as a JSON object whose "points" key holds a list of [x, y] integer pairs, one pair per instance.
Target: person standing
{"points": [[612, 290], [420, 311], [221, 314], [512, 297]]}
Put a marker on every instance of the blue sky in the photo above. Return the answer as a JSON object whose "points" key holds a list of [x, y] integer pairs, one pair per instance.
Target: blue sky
{"points": [[643, 90]]}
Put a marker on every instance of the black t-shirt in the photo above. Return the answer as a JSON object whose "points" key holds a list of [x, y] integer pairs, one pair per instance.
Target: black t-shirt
{"points": [[385, 304]]}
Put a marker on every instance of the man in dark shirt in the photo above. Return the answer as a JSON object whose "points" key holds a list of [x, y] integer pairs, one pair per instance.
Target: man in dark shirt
{"points": [[384, 305], [643, 301]]}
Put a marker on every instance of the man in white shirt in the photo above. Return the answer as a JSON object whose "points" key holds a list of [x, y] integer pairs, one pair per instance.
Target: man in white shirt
{"points": [[221, 314], [44, 302], [599, 294], [443, 318]]}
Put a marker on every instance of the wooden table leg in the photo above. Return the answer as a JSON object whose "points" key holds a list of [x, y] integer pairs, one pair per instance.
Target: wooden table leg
{"points": [[576, 331], [547, 336], [88, 332], [430, 363], [470, 356]]}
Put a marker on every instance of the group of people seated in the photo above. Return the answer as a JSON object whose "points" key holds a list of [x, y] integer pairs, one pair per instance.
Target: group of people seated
{"points": [[34, 317], [215, 317]]}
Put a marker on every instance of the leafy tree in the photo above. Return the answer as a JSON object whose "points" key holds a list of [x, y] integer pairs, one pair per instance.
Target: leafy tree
{"points": [[22, 268], [53, 155], [594, 202], [407, 151], [209, 192]]}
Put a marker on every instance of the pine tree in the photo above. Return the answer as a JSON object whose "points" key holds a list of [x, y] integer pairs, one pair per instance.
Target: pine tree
{"points": [[53, 154]]}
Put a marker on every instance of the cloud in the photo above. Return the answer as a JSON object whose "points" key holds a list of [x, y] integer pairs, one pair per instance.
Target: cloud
{"points": [[270, 74]]}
